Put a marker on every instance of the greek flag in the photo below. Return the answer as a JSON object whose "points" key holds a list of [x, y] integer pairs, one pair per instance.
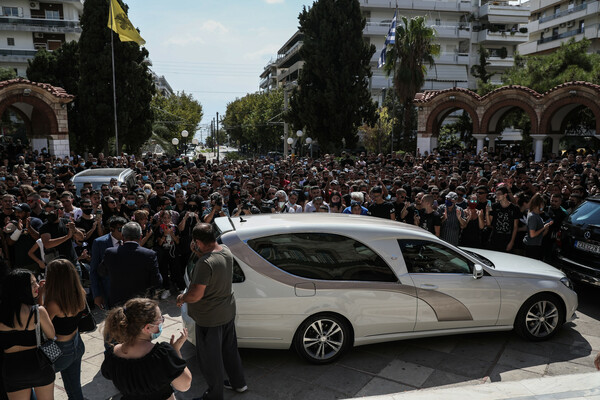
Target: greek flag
{"points": [[389, 39]]}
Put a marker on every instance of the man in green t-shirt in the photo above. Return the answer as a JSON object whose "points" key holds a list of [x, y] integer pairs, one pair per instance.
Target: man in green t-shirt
{"points": [[211, 305]]}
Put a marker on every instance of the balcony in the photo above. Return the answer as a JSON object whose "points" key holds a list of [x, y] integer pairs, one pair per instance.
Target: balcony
{"points": [[566, 16], [284, 59], [452, 31], [563, 35], [501, 63], [453, 58], [456, 5], [504, 37], [39, 25], [16, 56], [377, 28], [502, 12]]}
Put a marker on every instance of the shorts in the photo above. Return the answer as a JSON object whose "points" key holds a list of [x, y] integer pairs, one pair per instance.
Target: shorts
{"points": [[26, 369]]}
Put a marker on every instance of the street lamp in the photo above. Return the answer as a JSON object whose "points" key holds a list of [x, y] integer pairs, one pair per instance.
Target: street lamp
{"points": [[309, 143], [299, 133], [175, 142], [195, 142], [184, 135]]}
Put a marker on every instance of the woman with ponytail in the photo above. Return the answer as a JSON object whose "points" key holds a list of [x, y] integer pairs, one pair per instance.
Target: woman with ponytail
{"points": [[139, 368]]}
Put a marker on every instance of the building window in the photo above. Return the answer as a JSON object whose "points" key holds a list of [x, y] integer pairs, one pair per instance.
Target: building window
{"points": [[10, 11], [52, 14], [438, 22], [556, 9], [581, 26], [10, 41]]}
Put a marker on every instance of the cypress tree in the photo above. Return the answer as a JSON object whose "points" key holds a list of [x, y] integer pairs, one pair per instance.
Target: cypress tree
{"points": [[333, 97], [134, 84]]}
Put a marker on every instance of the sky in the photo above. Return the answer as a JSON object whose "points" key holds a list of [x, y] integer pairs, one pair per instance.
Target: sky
{"points": [[214, 49]]}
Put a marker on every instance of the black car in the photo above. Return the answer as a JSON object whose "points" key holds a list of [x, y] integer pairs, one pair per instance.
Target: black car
{"points": [[579, 243]]}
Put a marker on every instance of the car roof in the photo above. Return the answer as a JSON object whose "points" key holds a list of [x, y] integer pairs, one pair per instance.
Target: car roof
{"points": [[103, 173], [249, 226]]}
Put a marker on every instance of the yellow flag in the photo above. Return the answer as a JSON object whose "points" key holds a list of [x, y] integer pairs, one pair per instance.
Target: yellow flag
{"points": [[118, 22]]}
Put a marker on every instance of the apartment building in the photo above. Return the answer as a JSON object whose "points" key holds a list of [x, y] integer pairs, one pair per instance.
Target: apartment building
{"points": [[27, 26], [461, 27], [554, 22]]}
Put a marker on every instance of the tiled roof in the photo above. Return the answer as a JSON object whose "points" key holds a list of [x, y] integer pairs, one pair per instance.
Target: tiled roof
{"points": [[55, 91], [429, 95]]}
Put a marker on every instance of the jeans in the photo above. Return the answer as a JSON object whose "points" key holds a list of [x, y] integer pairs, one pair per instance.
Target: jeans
{"points": [[69, 366]]}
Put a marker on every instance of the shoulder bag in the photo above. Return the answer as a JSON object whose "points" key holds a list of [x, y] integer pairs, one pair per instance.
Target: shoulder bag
{"points": [[86, 323], [49, 348]]}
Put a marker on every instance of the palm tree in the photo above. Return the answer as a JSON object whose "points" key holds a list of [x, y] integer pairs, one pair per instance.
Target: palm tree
{"points": [[413, 49]]}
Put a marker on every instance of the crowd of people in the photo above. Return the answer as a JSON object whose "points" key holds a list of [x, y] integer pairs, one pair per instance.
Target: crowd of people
{"points": [[495, 200]]}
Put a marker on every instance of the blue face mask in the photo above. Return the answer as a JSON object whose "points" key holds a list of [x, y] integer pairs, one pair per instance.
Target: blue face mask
{"points": [[94, 163], [59, 165], [177, 186], [185, 183], [2, 178], [449, 203], [82, 164], [131, 202], [271, 167], [178, 159], [35, 182], [148, 191], [157, 334], [145, 177], [45, 200]]}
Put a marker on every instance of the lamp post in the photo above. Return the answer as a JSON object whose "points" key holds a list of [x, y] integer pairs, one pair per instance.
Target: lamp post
{"points": [[309, 143], [175, 142], [184, 135], [299, 133]]}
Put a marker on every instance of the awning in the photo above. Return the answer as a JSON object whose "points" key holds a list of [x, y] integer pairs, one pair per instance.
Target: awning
{"points": [[451, 73]]}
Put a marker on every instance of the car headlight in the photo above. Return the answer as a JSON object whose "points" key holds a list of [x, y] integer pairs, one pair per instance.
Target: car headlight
{"points": [[567, 282]]}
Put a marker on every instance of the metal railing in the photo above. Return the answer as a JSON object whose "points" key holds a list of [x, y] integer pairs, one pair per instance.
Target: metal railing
{"points": [[561, 35], [10, 52], [40, 22], [563, 13]]}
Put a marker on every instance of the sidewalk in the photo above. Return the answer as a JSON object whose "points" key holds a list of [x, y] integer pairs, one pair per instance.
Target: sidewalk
{"points": [[568, 387]]}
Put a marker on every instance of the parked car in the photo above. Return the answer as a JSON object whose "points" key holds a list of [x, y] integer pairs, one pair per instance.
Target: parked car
{"points": [[322, 283], [99, 176], [579, 243]]}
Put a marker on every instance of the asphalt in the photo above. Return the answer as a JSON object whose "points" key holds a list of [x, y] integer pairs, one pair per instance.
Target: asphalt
{"points": [[474, 366]]}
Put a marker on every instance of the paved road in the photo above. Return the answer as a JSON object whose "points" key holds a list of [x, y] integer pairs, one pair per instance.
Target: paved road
{"points": [[385, 368]]}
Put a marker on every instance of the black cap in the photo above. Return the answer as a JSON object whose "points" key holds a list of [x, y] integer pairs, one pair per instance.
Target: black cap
{"points": [[22, 207]]}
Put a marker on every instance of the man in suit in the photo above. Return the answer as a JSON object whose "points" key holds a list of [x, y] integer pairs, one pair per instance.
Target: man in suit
{"points": [[101, 285], [132, 269]]}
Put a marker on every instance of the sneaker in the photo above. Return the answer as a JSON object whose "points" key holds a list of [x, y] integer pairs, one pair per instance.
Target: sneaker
{"points": [[166, 294], [227, 385]]}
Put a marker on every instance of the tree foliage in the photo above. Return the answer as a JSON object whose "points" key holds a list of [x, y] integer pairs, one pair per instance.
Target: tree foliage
{"points": [[408, 59], [134, 84], [7, 73], [256, 120], [176, 113], [333, 98], [570, 62], [377, 138]]}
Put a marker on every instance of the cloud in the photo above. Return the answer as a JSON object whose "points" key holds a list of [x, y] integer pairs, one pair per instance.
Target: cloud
{"points": [[193, 33], [264, 53]]}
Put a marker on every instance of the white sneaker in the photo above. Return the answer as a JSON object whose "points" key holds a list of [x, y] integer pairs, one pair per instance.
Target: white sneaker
{"points": [[166, 294]]}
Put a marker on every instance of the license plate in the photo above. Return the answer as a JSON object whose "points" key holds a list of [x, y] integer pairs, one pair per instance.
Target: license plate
{"points": [[592, 248]]}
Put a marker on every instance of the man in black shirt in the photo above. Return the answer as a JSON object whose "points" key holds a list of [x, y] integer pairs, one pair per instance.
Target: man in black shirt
{"points": [[504, 221], [57, 233], [428, 218], [379, 207]]}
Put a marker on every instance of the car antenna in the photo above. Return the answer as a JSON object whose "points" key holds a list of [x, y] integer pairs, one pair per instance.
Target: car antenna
{"points": [[242, 219]]}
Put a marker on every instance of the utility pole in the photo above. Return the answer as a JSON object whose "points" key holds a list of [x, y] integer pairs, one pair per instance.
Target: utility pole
{"points": [[285, 124], [218, 149]]}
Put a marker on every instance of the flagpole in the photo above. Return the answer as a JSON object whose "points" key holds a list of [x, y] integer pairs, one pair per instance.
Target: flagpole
{"points": [[112, 48]]}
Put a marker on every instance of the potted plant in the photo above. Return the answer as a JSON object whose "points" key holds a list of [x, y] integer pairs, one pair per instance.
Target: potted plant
{"points": [[523, 30], [503, 53]]}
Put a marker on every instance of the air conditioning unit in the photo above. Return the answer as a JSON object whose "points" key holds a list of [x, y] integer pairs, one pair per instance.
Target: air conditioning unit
{"points": [[38, 35], [547, 30], [563, 25], [34, 5], [570, 23]]}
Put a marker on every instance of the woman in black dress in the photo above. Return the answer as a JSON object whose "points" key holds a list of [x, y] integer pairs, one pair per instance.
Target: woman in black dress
{"points": [[23, 367], [139, 368]]}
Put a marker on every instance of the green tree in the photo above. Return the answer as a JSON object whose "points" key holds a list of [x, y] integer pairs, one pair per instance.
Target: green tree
{"points": [[570, 62], [61, 68], [7, 73], [176, 113], [333, 98], [134, 84], [256, 120], [413, 50], [480, 71], [377, 137]]}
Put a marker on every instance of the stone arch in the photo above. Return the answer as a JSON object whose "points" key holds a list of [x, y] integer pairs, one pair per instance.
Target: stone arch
{"points": [[564, 99], [444, 109], [44, 109], [497, 103]]}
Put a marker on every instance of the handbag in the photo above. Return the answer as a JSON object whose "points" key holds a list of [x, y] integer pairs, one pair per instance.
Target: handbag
{"points": [[49, 348], [86, 323]]}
